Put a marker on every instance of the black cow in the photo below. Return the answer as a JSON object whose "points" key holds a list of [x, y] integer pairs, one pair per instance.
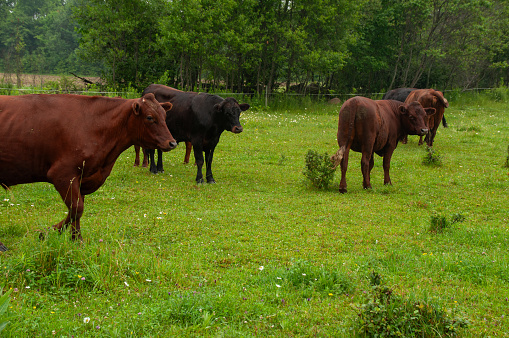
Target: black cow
{"points": [[400, 94], [198, 118]]}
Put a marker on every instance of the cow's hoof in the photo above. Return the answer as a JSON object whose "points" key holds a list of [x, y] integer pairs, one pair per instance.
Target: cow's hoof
{"points": [[200, 181], [211, 180], [342, 190], [3, 247]]}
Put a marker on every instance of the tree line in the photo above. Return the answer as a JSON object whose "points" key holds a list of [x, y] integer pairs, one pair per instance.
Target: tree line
{"points": [[262, 46]]}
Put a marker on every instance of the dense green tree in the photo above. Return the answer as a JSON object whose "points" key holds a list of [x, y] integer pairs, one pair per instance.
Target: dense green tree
{"points": [[261, 46]]}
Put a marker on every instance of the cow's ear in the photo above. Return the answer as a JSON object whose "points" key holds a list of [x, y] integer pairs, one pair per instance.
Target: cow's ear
{"points": [[167, 106], [136, 108], [430, 111], [218, 107], [244, 106], [403, 110]]}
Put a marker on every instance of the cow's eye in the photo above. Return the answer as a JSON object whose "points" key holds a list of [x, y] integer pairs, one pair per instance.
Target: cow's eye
{"points": [[150, 118]]}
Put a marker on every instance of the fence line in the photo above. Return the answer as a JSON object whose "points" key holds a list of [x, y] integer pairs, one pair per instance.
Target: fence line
{"points": [[237, 94]]}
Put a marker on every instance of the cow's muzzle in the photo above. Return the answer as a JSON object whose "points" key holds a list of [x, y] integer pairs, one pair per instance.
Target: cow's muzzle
{"points": [[423, 132], [170, 146], [237, 129]]}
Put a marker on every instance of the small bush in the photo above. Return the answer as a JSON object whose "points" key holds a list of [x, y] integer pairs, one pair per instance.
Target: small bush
{"points": [[432, 157], [386, 314], [319, 169], [438, 223]]}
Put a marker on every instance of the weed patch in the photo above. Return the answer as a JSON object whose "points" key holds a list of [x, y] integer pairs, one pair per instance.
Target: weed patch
{"points": [[432, 157], [387, 314], [319, 169]]}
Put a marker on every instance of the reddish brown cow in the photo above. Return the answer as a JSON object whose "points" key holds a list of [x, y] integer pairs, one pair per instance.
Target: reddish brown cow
{"points": [[369, 127], [73, 141], [433, 99]]}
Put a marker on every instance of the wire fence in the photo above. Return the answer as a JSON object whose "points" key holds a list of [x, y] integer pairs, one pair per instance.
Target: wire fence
{"points": [[261, 96]]}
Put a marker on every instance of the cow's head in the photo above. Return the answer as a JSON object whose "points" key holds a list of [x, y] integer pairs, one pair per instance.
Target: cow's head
{"points": [[414, 117], [229, 110], [150, 126]]}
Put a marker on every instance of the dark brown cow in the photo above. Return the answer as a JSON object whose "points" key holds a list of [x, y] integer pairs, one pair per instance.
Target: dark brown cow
{"points": [[370, 126], [434, 99], [73, 141]]}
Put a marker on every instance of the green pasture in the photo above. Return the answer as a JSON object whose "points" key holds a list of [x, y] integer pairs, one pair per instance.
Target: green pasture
{"points": [[263, 252]]}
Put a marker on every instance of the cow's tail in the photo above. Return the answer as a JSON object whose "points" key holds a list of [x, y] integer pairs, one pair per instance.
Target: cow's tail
{"points": [[337, 157], [347, 115]]}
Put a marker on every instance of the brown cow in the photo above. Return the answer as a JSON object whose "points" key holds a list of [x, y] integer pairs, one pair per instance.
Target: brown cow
{"points": [[370, 126], [73, 141], [434, 99]]}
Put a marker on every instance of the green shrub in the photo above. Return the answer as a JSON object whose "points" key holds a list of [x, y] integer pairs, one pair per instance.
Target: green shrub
{"points": [[319, 169], [432, 157], [386, 314], [4, 303], [438, 223]]}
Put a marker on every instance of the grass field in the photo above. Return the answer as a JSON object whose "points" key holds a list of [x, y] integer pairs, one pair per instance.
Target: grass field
{"points": [[262, 252]]}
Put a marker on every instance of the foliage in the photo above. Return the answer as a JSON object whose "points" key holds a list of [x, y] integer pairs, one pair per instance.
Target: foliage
{"points": [[319, 169], [432, 157], [4, 304], [261, 47], [439, 223], [386, 314]]}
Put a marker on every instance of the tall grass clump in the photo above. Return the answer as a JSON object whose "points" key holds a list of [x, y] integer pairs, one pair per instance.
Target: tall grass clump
{"points": [[432, 157], [311, 279], [386, 314], [319, 169], [440, 223], [4, 303]]}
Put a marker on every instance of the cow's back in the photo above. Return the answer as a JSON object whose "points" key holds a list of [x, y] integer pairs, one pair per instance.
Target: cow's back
{"points": [[398, 94]]}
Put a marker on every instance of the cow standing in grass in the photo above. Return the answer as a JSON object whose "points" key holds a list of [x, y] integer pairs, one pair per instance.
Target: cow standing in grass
{"points": [[369, 127], [434, 99], [199, 119], [73, 141], [401, 94]]}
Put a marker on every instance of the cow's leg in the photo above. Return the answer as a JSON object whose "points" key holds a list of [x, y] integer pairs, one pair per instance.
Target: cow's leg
{"points": [[344, 165], [209, 154], [151, 153], [366, 160], [160, 161], [70, 193], [444, 122], [198, 158], [189, 147], [145, 159], [387, 166], [136, 156], [421, 141]]}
